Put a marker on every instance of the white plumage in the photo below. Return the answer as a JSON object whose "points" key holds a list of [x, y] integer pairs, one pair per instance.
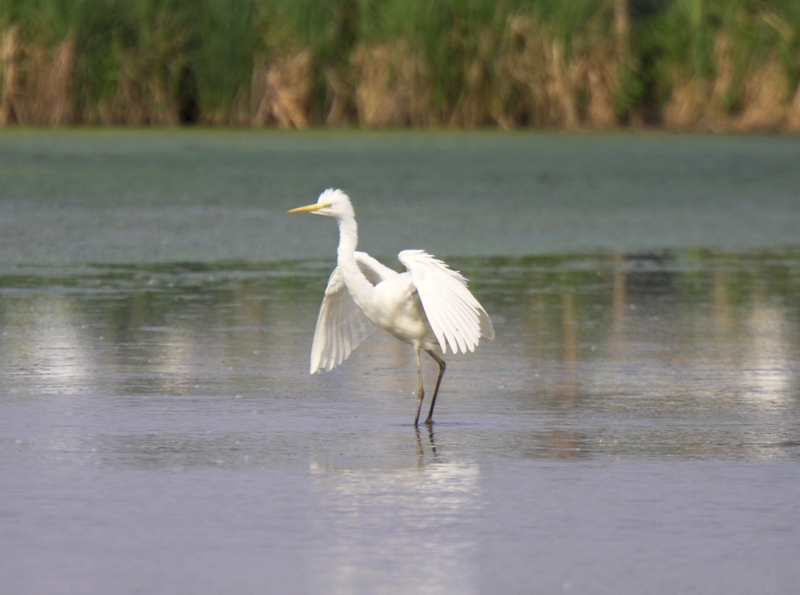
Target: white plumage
{"points": [[428, 306]]}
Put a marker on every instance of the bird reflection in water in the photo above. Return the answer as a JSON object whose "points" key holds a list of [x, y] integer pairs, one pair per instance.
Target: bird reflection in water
{"points": [[420, 449], [416, 522]]}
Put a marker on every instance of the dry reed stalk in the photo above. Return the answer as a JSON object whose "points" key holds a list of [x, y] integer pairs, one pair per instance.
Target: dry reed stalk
{"points": [[602, 70], [560, 83], [240, 112], [793, 113], [342, 94], [140, 98], [725, 68], [392, 87], [481, 100], [42, 94], [622, 28], [688, 103], [470, 106], [127, 104], [525, 59], [765, 99], [9, 51], [165, 110], [280, 91], [215, 117], [59, 89], [554, 79], [237, 114], [699, 103]]}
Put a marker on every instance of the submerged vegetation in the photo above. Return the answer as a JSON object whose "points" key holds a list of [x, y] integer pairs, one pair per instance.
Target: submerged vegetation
{"points": [[686, 64]]}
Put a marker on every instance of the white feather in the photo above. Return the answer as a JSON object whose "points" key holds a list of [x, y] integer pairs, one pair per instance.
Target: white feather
{"points": [[429, 306], [341, 326], [456, 317]]}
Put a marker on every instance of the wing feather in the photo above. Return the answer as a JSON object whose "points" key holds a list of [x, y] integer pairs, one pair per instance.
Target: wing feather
{"points": [[341, 326], [456, 317], [373, 270]]}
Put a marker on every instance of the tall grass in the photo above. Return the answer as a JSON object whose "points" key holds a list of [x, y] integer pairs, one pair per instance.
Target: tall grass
{"points": [[712, 64], [729, 63]]}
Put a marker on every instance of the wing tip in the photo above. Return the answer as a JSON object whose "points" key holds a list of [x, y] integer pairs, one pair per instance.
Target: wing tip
{"points": [[485, 323]]}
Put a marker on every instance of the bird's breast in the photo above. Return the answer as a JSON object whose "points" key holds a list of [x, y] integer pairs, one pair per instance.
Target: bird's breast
{"points": [[396, 308]]}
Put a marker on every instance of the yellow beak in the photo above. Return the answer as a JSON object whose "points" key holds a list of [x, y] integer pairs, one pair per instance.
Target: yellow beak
{"points": [[310, 208]]}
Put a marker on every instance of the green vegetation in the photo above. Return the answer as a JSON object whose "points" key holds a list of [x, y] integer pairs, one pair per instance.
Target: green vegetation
{"points": [[699, 64]]}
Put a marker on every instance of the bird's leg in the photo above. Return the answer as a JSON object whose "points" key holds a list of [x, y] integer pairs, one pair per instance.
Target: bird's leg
{"points": [[442, 366], [421, 392]]}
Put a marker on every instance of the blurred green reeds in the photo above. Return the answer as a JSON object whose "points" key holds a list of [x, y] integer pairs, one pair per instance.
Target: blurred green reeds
{"points": [[690, 64]]}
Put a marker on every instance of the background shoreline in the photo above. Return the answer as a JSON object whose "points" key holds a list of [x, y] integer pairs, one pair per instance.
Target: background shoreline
{"points": [[698, 65]]}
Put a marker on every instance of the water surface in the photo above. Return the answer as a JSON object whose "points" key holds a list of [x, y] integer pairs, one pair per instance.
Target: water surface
{"points": [[634, 428]]}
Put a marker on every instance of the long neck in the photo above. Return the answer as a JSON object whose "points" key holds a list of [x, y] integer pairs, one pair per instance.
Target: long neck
{"points": [[348, 239], [357, 284]]}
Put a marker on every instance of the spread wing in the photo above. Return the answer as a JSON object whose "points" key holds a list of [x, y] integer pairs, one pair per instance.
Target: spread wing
{"points": [[373, 270], [341, 326], [456, 317]]}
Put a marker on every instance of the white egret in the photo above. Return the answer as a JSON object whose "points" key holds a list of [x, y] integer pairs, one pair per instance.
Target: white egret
{"points": [[428, 306]]}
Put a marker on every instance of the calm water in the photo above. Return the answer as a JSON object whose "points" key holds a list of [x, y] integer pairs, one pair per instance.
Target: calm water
{"points": [[634, 428]]}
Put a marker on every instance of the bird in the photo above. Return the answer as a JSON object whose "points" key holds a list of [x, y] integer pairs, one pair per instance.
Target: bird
{"points": [[428, 306]]}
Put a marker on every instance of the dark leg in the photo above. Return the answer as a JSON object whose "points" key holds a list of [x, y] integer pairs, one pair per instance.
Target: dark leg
{"points": [[442, 366], [421, 392]]}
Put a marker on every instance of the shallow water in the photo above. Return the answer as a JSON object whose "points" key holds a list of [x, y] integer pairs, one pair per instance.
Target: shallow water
{"points": [[634, 428]]}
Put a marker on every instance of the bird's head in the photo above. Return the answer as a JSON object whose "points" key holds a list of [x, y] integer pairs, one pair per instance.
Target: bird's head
{"points": [[333, 203]]}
